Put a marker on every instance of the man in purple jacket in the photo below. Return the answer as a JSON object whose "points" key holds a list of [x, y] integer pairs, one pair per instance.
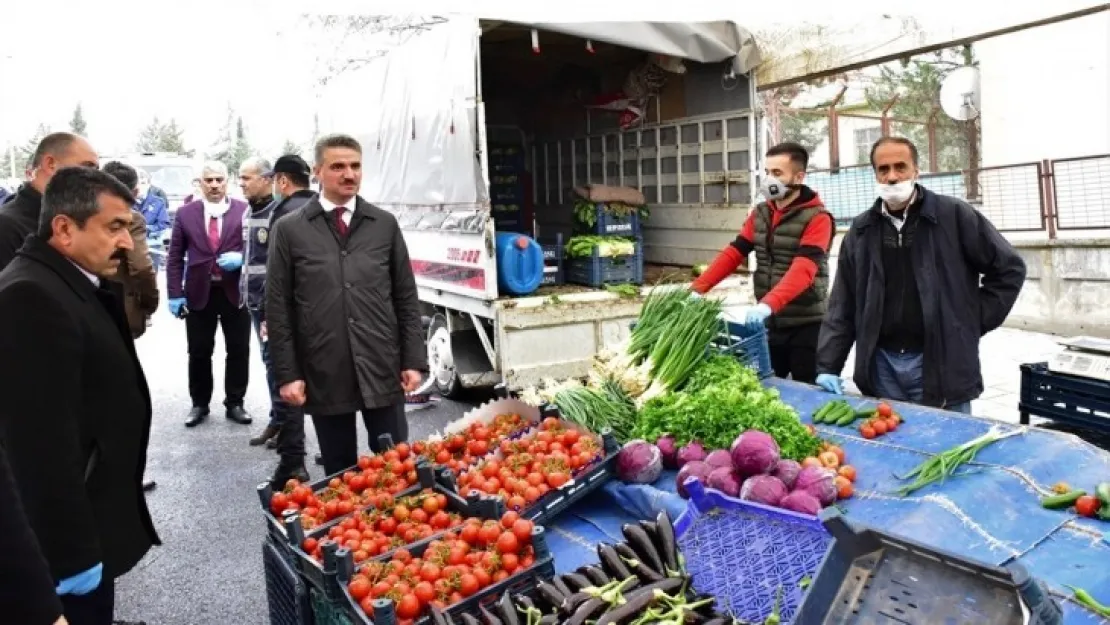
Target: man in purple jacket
{"points": [[202, 280]]}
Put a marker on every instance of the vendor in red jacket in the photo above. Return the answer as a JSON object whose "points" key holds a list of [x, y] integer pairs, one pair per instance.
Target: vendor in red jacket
{"points": [[791, 233]]}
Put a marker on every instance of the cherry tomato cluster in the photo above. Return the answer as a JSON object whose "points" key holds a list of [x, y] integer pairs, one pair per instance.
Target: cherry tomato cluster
{"points": [[885, 420], [459, 451], [387, 525], [460, 564], [373, 481], [832, 457], [527, 468]]}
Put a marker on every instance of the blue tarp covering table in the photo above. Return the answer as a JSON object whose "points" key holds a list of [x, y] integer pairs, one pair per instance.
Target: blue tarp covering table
{"points": [[992, 514]]}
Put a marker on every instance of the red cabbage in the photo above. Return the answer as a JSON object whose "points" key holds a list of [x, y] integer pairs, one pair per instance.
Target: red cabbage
{"points": [[765, 489], [787, 471], [754, 452], [719, 458], [694, 468], [818, 482], [724, 480], [801, 501], [668, 447], [639, 462], [691, 451]]}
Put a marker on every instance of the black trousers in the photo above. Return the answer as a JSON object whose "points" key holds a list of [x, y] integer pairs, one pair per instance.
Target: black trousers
{"points": [[96, 608], [200, 331], [339, 440], [794, 352]]}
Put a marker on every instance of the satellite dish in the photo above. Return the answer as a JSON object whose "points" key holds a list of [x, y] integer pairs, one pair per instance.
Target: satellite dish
{"points": [[960, 95]]}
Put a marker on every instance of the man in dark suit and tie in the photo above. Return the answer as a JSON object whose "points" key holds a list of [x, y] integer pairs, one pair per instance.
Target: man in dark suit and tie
{"points": [[202, 280]]}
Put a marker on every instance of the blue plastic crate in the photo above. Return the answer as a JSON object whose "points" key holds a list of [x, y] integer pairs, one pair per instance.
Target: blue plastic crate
{"points": [[597, 271], [742, 552], [606, 224], [869, 576], [748, 344]]}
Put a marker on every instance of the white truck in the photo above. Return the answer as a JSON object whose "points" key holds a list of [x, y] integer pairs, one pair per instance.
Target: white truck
{"points": [[425, 114]]}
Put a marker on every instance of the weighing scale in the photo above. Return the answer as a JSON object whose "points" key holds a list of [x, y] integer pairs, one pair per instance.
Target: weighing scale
{"points": [[1085, 356]]}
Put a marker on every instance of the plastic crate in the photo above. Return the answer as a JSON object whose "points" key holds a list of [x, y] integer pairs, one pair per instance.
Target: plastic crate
{"points": [[742, 552], [553, 267], [606, 224], [543, 568], [870, 576], [1063, 398], [286, 594], [597, 271], [276, 526], [587, 480], [487, 413], [313, 571], [748, 344]]}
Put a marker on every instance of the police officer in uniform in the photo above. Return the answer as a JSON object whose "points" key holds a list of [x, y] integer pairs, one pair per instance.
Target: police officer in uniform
{"points": [[290, 178]]}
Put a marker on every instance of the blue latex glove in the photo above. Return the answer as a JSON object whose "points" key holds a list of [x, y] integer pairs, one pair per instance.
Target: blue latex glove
{"points": [[757, 315], [82, 583], [176, 304], [831, 383], [230, 261]]}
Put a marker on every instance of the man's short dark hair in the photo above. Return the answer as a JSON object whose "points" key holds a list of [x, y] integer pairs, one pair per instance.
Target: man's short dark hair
{"points": [[53, 144], [335, 141], [796, 151], [897, 140], [75, 192], [297, 180], [124, 173]]}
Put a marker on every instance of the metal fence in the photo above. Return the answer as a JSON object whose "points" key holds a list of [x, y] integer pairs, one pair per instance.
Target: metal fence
{"points": [[1048, 195]]}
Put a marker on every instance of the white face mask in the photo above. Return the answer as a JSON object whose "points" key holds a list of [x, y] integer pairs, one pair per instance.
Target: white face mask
{"points": [[774, 189], [895, 193]]}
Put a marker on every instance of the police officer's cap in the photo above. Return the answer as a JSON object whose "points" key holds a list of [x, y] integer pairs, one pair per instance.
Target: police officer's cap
{"points": [[289, 164]]}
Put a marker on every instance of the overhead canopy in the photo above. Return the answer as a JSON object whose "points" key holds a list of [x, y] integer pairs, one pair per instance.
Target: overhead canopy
{"points": [[705, 42]]}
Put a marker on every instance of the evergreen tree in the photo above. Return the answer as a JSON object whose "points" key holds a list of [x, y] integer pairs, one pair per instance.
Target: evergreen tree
{"points": [[77, 124]]}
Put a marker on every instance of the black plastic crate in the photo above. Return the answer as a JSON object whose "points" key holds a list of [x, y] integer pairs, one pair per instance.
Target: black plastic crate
{"points": [[313, 572], [276, 526], [286, 594], [607, 224], [554, 272], [1063, 398], [543, 568], [869, 576], [588, 479], [597, 271]]}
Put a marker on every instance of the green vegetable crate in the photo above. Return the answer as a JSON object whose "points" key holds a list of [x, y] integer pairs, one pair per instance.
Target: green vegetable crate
{"points": [[597, 271]]}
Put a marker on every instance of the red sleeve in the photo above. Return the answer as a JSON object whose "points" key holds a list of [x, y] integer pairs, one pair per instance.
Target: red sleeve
{"points": [[813, 247], [729, 259]]}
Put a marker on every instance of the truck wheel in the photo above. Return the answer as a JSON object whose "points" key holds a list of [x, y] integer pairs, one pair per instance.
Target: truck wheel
{"points": [[441, 362]]}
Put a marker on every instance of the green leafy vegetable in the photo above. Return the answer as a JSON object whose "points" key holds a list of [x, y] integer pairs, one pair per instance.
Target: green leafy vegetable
{"points": [[607, 247], [608, 407], [722, 399]]}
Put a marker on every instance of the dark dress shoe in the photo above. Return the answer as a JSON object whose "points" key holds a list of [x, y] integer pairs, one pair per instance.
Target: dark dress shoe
{"points": [[266, 436], [149, 485], [196, 416], [239, 415], [289, 470]]}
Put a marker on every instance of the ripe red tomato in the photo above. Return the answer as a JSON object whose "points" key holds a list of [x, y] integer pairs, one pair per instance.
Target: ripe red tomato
{"points": [[522, 529], [1087, 505], [884, 410], [509, 518], [408, 606], [468, 584], [507, 543]]}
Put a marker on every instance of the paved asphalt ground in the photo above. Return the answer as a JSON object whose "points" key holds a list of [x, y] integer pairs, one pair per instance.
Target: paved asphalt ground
{"points": [[209, 569]]}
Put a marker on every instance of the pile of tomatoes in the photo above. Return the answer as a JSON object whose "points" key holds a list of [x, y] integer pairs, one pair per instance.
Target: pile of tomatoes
{"points": [[387, 525], [885, 420], [373, 481], [832, 457], [459, 451], [527, 468], [460, 564]]}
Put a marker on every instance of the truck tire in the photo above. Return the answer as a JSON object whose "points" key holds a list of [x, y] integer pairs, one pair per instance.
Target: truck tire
{"points": [[441, 362]]}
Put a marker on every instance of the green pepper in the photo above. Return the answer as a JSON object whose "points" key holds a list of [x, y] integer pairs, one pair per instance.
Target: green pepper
{"points": [[1059, 502]]}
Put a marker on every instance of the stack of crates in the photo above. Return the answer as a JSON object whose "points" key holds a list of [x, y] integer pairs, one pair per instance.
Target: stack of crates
{"points": [[507, 189], [596, 271], [553, 271]]}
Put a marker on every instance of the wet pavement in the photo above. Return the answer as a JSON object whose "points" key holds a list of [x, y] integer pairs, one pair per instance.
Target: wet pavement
{"points": [[209, 569]]}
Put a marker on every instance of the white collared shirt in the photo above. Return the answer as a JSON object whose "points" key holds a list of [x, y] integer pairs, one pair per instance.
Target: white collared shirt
{"points": [[216, 210], [91, 276], [329, 206]]}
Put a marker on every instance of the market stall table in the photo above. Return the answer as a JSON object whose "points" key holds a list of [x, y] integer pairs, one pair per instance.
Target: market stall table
{"points": [[991, 514]]}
